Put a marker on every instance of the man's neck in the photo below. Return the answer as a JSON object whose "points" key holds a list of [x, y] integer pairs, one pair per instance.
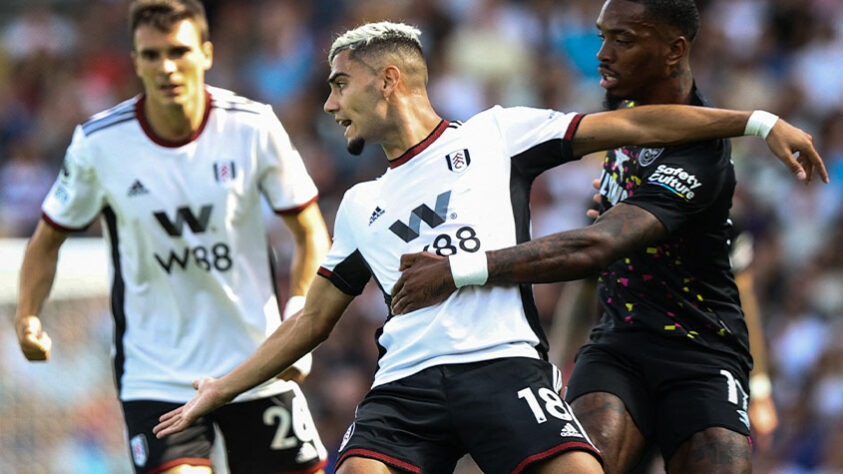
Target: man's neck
{"points": [[676, 89], [413, 123], [176, 122]]}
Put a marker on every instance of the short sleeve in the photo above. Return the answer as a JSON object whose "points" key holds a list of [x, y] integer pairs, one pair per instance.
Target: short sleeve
{"points": [[682, 183], [284, 180], [345, 266], [76, 198], [524, 128]]}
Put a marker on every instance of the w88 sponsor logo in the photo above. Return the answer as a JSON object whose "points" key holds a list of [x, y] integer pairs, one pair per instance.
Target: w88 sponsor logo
{"points": [[217, 257]]}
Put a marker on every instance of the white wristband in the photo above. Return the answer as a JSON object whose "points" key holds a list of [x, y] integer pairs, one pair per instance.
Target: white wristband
{"points": [[760, 386], [469, 268], [304, 364], [293, 306], [760, 123]]}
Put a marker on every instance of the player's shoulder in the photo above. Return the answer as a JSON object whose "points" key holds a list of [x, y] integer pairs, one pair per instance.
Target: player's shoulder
{"points": [[231, 102], [360, 195], [121, 113]]}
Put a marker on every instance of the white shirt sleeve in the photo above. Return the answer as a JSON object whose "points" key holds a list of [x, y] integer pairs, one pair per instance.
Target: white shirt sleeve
{"points": [[344, 264], [77, 197], [284, 180], [524, 127]]}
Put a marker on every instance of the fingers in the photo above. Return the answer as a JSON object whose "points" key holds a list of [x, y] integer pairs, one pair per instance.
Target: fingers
{"points": [[407, 261], [397, 296], [814, 161], [399, 285], [795, 149], [795, 167], [592, 213], [596, 184], [170, 422]]}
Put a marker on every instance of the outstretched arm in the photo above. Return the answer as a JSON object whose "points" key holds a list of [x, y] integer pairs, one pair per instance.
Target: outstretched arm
{"points": [[427, 279], [296, 337], [661, 125], [36, 279]]}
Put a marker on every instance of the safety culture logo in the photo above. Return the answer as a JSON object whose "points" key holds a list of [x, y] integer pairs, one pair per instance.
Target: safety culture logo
{"points": [[676, 180]]}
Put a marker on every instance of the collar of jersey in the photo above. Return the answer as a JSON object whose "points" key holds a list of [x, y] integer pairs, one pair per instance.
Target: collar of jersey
{"points": [[420, 146], [167, 143]]}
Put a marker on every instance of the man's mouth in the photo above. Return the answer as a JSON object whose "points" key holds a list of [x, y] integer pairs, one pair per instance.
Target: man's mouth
{"points": [[170, 89], [608, 79], [344, 123]]}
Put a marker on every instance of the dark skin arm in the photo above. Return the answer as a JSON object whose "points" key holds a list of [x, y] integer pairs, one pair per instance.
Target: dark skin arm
{"points": [[426, 278], [660, 125]]}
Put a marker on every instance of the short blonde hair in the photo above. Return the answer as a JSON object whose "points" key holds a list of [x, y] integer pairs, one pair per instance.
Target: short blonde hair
{"points": [[382, 36]]}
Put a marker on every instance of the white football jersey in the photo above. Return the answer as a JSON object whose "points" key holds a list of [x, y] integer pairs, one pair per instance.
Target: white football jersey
{"points": [[192, 289], [465, 188]]}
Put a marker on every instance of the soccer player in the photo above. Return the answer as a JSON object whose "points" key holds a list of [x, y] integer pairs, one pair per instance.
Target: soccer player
{"points": [[669, 362], [177, 174], [469, 375]]}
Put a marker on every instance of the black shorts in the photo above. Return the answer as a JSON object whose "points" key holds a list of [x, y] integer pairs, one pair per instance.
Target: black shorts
{"points": [[507, 413], [267, 435], [671, 388]]}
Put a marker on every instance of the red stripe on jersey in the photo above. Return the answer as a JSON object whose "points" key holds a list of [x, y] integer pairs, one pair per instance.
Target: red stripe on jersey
{"points": [[380, 457], [57, 226], [297, 209], [310, 470], [573, 126], [179, 462], [167, 143], [324, 272], [555, 450], [421, 146]]}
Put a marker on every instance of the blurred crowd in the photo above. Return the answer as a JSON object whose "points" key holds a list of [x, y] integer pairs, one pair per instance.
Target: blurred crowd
{"points": [[63, 60]]}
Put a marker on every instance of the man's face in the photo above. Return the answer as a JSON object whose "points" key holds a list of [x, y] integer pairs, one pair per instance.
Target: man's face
{"points": [[632, 57], [171, 64], [354, 100]]}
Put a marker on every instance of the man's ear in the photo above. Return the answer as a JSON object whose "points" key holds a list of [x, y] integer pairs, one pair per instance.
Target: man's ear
{"points": [[678, 49], [208, 52], [391, 76]]}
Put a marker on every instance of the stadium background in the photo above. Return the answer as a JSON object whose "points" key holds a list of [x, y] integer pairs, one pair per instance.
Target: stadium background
{"points": [[62, 60]]}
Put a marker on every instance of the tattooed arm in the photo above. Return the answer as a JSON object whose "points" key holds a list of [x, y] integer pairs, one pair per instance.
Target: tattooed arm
{"points": [[571, 255]]}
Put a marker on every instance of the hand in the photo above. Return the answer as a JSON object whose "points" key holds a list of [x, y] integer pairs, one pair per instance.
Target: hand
{"points": [[425, 280], [785, 140], [764, 420], [594, 213], [208, 398], [34, 342]]}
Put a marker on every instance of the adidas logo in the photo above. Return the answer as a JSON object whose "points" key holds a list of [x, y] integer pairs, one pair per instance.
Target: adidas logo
{"points": [[137, 188], [570, 432], [375, 214]]}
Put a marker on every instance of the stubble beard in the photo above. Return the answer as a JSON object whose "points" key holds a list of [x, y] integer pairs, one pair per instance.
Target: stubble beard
{"points": [[611, 101], [355, 145]]}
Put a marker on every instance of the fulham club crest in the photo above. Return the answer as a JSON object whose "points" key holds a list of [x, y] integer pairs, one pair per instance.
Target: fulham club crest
{"points": [[458, 161], [224, 171]]}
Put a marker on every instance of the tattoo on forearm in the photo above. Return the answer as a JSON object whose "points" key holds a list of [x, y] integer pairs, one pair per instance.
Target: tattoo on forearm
{"points": [[577, 253]]}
